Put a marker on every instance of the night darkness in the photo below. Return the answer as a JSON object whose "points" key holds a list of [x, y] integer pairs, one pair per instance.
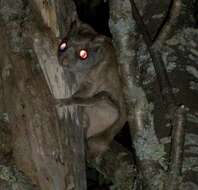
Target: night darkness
{"points": [[95, 15]]}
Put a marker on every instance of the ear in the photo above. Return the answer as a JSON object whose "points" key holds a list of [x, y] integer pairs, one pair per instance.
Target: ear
{"points": [[85, 28]]}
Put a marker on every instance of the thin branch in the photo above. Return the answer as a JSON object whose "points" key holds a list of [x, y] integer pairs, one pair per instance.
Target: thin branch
{"points": [[162, 76], [178, 137], [170, 22]]}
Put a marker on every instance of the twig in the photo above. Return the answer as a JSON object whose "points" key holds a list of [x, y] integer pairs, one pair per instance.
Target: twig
{"points": [[170, 22], [162, 76]]}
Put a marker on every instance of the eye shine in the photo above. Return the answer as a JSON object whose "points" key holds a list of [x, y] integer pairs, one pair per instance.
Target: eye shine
{"points": [[83, 54], [63, 46]]}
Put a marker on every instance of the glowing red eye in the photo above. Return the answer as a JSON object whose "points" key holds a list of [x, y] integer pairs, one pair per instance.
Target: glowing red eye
{"points": [[63, 46], [83, 54]]}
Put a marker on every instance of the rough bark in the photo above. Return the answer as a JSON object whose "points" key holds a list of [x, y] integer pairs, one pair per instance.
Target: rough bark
{"points": [[12, 179], [149, 151], [127, 38], [45, 148]]}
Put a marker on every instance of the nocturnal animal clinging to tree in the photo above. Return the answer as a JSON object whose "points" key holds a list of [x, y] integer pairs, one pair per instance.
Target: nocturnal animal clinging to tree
{"points": [[90, 57]]}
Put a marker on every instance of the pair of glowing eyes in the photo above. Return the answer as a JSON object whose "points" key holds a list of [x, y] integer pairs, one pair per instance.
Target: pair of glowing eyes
{"points": [[83, 54]]}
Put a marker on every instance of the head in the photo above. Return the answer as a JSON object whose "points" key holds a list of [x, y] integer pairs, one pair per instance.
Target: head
{"points": [[81, 49]]}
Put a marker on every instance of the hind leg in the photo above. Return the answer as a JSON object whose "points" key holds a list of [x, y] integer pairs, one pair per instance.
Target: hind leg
{"points": [[99, 144]]}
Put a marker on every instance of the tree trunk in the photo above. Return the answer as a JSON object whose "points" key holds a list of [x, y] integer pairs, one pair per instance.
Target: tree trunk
{"points": [[47, 148]]}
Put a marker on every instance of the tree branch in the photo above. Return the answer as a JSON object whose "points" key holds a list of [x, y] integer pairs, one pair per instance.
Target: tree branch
{"points": [[149, 152], [170, 22], [178, 134]]}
